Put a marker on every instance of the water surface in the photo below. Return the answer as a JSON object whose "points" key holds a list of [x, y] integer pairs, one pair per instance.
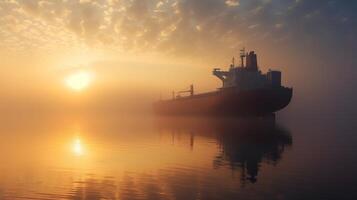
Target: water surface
{"points": [[96, 157]]}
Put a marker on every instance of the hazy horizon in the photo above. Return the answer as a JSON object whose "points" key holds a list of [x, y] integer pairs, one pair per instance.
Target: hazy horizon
{"points": [[135, 50], [78, 79]]}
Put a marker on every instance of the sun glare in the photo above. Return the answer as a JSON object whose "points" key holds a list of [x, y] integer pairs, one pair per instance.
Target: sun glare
{"points": [[77, 147], [79, 80]]}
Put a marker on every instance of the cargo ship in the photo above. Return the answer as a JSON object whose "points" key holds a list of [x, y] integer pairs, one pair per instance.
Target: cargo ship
{"points": [[245, 91]]}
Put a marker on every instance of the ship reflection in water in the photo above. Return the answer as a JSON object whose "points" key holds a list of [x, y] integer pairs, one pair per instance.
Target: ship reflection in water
{"points": [[243, 143], [156, 158]]}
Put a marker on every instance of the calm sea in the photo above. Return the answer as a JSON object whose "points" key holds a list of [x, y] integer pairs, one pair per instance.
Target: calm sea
{"points": [[96, 157]]}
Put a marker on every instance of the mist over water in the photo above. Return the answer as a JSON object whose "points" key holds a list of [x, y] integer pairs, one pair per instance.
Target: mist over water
{"points": [[150, 157], [105, 143], [78, 79]]}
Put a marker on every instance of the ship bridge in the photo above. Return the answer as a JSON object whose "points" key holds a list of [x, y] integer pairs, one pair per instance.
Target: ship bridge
{"points": [[248, 76]]}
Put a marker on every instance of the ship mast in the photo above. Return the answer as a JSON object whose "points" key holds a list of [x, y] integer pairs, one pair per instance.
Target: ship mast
{"points": [[242, 55], [190, 91]]}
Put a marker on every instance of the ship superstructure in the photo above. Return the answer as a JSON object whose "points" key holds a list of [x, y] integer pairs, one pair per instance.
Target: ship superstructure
{"points": [[248, 76]]}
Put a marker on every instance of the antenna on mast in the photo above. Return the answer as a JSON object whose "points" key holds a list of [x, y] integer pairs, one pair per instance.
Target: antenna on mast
{"points": [[242, 55]]}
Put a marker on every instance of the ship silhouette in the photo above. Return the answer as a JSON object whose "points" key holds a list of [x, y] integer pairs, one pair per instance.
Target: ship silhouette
{"points": [[245, 91]]}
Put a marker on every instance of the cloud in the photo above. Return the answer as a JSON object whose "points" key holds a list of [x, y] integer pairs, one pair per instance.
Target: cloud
{"points": [[171, 26], [253, 26], [279, 25], [232, 3], [86, 18]]}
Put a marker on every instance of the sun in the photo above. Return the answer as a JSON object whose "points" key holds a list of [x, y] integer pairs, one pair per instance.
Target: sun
{"points": [[77, 147], [79, 81]]}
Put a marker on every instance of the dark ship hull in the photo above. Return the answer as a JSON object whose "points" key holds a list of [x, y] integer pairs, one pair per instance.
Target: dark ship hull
{"points": [[228, 102]]}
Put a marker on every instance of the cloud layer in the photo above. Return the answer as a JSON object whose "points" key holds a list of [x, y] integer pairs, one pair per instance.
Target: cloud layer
{"points": [[312, 42], [172, 26]]}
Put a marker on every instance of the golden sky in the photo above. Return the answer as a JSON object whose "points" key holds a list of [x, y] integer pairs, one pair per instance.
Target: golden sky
{"points": [[156, 46]]}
